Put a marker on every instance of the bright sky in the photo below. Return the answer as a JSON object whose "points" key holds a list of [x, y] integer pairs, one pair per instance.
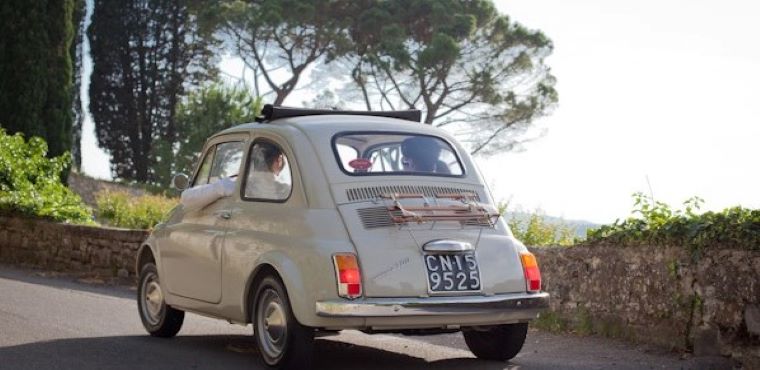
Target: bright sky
{"points": [[648, 90]]}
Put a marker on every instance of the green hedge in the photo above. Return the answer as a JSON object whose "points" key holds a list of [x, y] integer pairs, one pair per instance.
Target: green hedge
{"points": [[655, 223], [30, 183], [121, 209]]}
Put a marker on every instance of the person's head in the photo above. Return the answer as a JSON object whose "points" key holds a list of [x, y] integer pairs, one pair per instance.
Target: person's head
{"points": [[269, 157], [420, 153]]}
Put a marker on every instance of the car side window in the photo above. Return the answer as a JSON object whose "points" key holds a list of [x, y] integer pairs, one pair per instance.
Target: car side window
{"points": [[268, 177], [226, 161], [203, 172]]}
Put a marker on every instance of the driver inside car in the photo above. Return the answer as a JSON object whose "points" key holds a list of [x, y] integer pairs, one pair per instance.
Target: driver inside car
{"points": [[421, 154]]}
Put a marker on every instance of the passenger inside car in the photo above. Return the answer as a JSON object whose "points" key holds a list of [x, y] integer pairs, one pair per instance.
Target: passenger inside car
{"points": [[267, 162]]}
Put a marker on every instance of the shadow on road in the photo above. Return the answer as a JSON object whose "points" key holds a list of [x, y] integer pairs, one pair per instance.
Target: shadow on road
{"points": [[205, 352]]}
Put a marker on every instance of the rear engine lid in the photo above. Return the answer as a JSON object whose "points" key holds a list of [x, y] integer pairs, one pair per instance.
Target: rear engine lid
{"points": [[392, 231]]}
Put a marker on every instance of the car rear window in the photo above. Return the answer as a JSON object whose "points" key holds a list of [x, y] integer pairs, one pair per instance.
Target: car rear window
{"points": [[395, 153]]}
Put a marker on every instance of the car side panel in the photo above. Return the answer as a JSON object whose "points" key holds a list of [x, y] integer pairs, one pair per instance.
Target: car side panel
{"points": [[297, 243]]}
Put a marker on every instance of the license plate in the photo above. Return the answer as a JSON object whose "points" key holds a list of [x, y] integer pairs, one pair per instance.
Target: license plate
{"points": [[452, 272]]}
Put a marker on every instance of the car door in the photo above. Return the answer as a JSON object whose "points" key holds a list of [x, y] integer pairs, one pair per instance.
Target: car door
{"points": [[270, 216], [191, 252]]}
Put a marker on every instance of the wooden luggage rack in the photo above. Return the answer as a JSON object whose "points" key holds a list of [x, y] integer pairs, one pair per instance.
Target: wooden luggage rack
{"points": [[469, 211]]}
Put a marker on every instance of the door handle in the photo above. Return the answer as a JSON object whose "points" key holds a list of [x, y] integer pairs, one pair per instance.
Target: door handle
{"points": [[224, 215]]}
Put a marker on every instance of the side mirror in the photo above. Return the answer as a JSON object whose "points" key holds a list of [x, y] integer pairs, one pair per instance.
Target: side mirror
{"points": [[180, 181]]}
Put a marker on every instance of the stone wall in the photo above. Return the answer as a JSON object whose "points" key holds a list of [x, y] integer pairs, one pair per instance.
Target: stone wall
{"points": [[659, 295], [69, 248]]}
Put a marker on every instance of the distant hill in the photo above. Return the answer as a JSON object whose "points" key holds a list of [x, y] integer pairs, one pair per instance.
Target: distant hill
{"points": [[580, 226]]}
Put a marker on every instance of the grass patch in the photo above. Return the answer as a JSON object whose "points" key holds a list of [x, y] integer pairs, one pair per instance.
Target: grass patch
{"points": [[550, 321], [583, 324]]}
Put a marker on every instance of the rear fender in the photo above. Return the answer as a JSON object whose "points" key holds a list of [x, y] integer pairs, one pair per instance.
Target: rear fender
{"points": [[290, 274]]}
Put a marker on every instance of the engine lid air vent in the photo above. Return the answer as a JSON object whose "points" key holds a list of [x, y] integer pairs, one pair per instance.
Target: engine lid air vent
{"points": [[375, 217], [378, 217], [374, 192]]}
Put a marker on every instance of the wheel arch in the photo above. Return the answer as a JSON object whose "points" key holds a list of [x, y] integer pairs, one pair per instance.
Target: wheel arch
{"points": [[285, 269], [144, 255]]}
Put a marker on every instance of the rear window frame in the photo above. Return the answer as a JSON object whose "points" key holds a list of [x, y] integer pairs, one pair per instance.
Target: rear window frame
{"points": [[339, 162]]}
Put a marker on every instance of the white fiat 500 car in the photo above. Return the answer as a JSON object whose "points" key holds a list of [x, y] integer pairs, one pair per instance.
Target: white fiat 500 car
{"points": [[340, 220]]}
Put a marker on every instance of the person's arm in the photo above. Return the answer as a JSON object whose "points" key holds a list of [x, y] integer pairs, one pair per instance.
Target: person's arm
{"points": [[200, 196]]}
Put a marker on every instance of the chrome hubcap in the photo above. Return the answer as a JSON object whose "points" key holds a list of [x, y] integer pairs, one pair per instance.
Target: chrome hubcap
{"points": [[272, 325], [153, 299]]}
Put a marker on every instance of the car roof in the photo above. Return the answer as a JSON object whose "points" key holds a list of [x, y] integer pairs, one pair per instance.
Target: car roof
{"points": [[320, 125]]}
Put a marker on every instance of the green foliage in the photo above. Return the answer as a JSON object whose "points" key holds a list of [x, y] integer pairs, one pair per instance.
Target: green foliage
{"points": [[36, 70], [534, 230], [461, 61], [121, 209], [30, 183], [204, 112], [656, 223]]}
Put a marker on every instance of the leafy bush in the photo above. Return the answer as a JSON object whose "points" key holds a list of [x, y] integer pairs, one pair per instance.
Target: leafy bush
{"points": [[533, 229], [121, 209], [655, 223], [30, 183]]}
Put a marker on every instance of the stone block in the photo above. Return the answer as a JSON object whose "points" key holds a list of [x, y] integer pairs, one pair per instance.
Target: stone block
{"points": [[706, 341], [752, 319], [76, 255]]}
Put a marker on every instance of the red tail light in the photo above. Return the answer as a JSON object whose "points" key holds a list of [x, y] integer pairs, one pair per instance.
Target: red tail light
{"points": [[348, 275], [532, 273]]}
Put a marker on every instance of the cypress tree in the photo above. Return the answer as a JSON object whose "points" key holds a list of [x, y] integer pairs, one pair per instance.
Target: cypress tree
{"points": [[36, 71], [76, 52], [145, 54]]}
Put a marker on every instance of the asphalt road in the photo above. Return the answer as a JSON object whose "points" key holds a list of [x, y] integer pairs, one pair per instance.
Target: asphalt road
{"points": [[60, 323]]}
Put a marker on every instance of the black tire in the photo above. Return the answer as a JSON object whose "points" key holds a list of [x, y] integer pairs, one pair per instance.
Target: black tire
{"points": [[282, 341], [158, 318], [499, 343]]}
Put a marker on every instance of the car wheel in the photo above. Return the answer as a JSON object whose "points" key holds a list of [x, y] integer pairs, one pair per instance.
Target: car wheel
{"points": [[282, 341], [499, 343], [159, 319]]}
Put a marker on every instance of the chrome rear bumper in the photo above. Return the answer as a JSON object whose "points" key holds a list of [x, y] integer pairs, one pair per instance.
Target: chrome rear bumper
{"points": [[521, 306]]}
